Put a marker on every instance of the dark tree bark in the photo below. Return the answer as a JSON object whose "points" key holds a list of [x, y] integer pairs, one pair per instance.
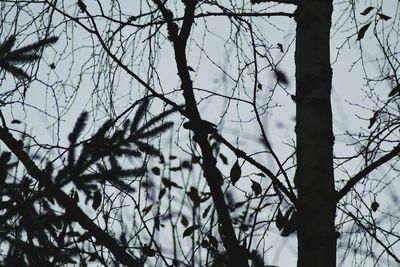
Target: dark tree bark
{"points": [[314, 177], [179, 38]]}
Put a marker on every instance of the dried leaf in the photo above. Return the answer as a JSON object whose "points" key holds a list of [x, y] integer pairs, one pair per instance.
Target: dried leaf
{"points": [[186, 165], [367, 10], [205, 244], [206, 211], [96, 200], [168, 183], [193, 194], [281, 77], [280, 46], [279, 220], [362, 31], [236, 172], [188, 231], [383, 16], [162, 193], [156, 170], [256, 187], [223, 158], [175, 169], [394, 91], [147, 251], [374, 206], [184, 221], [146, 209], [84, 237], [213, 240], [289, 221], [372, 120]]}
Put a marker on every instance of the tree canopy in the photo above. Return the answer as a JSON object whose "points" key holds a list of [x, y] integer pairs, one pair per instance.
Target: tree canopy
{"points": [[199, 133]]}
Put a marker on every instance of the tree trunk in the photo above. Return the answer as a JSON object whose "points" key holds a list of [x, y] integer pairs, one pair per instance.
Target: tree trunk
{"points": [[314, 177]]}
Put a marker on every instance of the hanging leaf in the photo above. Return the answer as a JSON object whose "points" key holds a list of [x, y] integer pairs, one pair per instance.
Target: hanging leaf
{"points": [[190, 69], [81, 6], [281, 77], [383, 16], [373, 120], [362, 31], [193, 194], [279, 220], [162, 193], [259, 87], [213, 240], [96, 200], [84, 237], [147, 251], [175, 169], [147, 209], [186, 165], [239, 204], [223, 158], [188, 231], [162, 160], [205, 244], [256, 187], [236, 172], [206, 211], [6, 46], [367, 10], [195, 159], [184, 221], [168, 183], [280, 46], [394, 91], [374, 206], [290, 225], [156, 170]]}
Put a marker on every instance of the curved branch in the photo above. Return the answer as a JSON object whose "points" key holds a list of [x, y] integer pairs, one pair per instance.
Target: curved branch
{"points": [[359, 176]]}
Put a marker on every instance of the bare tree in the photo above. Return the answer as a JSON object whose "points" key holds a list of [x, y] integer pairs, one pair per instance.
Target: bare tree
{"points": [[214, 187]]}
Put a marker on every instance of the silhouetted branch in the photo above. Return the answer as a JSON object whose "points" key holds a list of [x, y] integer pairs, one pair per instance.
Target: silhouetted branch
{"points": [[26, 54], [373, 166], [366, 229], [65, 201], [292, 2]]}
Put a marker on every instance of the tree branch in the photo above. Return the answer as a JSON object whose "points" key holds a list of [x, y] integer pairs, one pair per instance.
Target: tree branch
{"points": [[241, 154], [291, 2], [356, 178], [210, 171], [366, 229], [65, 201]]}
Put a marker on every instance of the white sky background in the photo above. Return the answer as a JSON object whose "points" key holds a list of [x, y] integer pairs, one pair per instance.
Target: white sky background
{"points": [[279, 121]]}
